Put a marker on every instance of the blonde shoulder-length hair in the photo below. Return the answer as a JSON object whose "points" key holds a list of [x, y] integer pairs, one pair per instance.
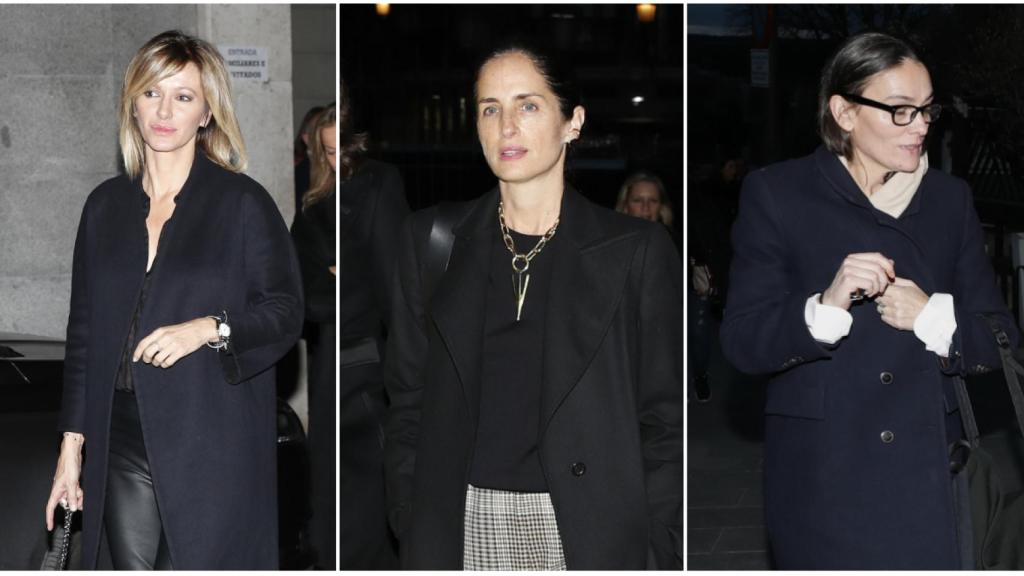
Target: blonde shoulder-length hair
{"points": [[664, 213], [321, 175], [163, 56]]}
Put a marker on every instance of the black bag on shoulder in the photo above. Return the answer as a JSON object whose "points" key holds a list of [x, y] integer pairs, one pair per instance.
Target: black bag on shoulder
{"points": [[997, 513]]}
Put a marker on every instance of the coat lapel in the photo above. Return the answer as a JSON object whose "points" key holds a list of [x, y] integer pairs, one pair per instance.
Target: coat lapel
{"points": [[589, 274], [460, 299], [842, 182], [588, 278]]}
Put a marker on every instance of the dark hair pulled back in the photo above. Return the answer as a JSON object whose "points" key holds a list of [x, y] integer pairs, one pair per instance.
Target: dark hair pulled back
{"points": [[858, 59], [555, 71]]}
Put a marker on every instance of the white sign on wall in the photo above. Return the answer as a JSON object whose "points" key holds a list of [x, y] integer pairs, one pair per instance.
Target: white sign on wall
{"points": [[246, 62], [760, 69]]}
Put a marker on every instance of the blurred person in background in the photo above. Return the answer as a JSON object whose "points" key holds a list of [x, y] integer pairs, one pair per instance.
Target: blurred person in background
{"points": [[373, 207], [315, 232], [643, 195], [301, 159]]}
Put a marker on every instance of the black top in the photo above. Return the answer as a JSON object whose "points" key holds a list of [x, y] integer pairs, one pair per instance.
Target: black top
{"points": [[301, 182], [315, 232], [506, 456], [125, 381]]}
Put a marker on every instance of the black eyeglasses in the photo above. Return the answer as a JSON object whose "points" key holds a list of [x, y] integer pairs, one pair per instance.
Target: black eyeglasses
{"points": [[903, 114]]}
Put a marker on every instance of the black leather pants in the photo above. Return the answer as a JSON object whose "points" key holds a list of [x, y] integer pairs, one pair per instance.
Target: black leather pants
{"points": [[131, 517]]}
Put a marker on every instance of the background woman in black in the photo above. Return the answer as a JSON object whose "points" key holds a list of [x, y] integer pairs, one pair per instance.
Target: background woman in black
{"points": [[315, 232], [536, 418], [185, 292], [373, 207]]}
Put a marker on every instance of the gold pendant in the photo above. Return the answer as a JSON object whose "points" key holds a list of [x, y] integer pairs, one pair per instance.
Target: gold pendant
{"points": [[519, 287]]}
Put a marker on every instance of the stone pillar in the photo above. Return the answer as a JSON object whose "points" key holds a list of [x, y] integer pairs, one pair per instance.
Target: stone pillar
{"points": [[314, 64]]}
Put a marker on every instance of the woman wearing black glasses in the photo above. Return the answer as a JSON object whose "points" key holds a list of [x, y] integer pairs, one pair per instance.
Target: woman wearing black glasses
{"points": [[861, 284]]}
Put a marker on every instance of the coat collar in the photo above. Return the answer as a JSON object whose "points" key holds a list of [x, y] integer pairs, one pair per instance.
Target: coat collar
{"points": [[843, 183], [590, 265], [202, 167]]}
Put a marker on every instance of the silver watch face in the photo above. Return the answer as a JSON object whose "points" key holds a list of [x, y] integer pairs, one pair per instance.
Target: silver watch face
{"points": [[224, 331]]}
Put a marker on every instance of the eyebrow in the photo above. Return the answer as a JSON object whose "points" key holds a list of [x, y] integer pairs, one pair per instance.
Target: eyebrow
{"points": [[518, 97], [908, 98]]}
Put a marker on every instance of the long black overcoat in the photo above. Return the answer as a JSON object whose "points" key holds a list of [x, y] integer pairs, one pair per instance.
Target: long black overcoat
{"points": [[612, 396], [837, 494], [208, 421]]}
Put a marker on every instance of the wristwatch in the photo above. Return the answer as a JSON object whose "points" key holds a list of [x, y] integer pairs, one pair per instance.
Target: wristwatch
{"points": [[223, 332]]}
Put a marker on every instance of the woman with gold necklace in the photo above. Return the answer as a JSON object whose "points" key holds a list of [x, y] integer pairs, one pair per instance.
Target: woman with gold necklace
{"points": [[536, 388]]}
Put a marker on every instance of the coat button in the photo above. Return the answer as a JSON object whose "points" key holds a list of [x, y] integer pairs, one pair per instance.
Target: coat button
{"points": [[579, 469], [887, 436], [885, 377]]}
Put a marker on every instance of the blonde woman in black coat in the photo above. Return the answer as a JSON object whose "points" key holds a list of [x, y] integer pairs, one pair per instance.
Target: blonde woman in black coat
{"points": [[185, 293]]}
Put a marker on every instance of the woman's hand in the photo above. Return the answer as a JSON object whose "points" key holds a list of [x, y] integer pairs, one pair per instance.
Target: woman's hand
{"points": [[334, 270], [901, 304], [168, 344], [66, 490], [870, 271]]}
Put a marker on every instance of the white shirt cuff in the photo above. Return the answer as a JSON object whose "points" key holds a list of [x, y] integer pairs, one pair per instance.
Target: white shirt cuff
{"points": [[936, 324], [828, 324]]}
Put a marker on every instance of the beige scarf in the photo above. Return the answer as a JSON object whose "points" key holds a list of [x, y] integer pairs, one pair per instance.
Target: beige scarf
{"points": [[895, 195]]}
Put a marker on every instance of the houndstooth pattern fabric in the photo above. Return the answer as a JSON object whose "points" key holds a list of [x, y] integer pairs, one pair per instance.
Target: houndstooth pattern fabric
{"points": [[510, 531]]}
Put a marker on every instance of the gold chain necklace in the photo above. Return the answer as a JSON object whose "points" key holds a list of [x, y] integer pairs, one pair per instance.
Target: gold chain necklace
{"points": [[521, 262]]}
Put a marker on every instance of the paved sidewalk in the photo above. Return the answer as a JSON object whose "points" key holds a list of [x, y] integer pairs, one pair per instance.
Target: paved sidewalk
{"points": [[724, 500]]}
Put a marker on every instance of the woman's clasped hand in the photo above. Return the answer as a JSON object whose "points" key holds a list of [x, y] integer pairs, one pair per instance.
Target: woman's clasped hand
{"points": [[899, 301]]}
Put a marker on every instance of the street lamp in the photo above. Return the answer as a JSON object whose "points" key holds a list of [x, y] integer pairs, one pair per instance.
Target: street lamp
{"points": [[645, 12]]}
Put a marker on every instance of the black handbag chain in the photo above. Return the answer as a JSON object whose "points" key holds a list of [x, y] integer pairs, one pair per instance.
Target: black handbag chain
{"points": [[66, 540]]}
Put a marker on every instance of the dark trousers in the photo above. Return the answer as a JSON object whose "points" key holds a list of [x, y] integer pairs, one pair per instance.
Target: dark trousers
{"points": [[322, 446], [131, 517], [366, 541], [698, 334]]}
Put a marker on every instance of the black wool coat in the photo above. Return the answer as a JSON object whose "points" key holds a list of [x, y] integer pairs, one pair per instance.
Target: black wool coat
{"points": [[208, 421], [612, 399], [856, 466]]}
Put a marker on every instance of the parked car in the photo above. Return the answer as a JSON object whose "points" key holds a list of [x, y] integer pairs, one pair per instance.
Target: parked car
{"points": [[31, 372]]}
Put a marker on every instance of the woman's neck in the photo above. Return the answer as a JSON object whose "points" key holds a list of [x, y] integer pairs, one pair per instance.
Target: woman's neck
{"points": [[870, 179], [531, 208], [165, 172]]}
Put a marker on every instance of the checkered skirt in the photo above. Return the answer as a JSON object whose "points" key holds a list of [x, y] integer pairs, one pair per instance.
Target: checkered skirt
{"points": [[510, 531]]}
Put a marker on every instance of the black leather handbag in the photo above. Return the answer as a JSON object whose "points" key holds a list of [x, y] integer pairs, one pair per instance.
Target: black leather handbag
{"points": [[60, 549], [997, 511]]}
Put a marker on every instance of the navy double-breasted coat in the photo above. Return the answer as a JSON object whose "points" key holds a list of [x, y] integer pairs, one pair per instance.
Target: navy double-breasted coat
{"points": [[610, 438], [856, 464], [208, 421]]}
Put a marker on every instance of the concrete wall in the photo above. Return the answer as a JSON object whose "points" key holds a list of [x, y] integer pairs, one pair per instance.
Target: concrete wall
{"points": [[61, 69], [314, 60]]}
